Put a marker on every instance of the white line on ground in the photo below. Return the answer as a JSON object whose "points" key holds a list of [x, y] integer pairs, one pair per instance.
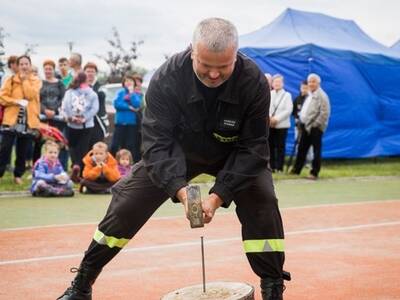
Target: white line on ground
{"points": [[219, 214], [195, 243]]}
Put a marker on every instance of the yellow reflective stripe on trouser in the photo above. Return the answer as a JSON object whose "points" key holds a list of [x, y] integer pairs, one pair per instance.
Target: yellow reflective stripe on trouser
{"points": [[109, 241], [272, 245]]}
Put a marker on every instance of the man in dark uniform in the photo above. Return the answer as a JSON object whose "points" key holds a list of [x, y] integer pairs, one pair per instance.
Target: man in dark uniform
{"points": [[206, 113]]}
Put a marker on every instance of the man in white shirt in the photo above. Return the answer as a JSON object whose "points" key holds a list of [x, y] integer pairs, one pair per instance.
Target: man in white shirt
{"points": [[280, 109], [314, 117]]}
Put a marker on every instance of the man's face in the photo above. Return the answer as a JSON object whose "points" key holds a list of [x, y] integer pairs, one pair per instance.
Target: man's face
{"points": [[73, 61], [91, 75], [213, 68], [63, 66], [313, 84], [304, 89]]}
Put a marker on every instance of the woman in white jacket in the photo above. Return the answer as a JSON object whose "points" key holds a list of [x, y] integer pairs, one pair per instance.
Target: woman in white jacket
{"points": [[280, 109]]}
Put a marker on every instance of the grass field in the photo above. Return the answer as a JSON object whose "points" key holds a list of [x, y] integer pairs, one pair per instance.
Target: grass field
{"points": [[387, 166], [19, 211]]}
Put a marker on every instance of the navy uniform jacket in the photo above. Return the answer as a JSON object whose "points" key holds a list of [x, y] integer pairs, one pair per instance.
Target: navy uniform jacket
{"points": [[230, 141]]}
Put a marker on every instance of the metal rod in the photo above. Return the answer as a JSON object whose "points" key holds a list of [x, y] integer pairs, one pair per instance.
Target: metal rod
{"points": [[202, 263]]}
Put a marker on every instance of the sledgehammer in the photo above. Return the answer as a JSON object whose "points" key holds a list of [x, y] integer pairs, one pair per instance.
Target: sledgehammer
{"points": [[195, 209]]}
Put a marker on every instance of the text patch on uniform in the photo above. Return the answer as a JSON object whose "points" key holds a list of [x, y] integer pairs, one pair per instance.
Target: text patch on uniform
{"points": [[231, 124]]}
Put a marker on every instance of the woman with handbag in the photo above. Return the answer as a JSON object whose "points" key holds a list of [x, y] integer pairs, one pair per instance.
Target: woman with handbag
{"points": [[20, 97]]}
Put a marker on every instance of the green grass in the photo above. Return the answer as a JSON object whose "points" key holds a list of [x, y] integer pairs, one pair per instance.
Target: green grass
{"points": [[20, 211], [388, 166]]}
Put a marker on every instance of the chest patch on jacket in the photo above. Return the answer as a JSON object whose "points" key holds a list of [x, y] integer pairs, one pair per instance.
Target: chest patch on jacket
{"points": [[229, 124]]}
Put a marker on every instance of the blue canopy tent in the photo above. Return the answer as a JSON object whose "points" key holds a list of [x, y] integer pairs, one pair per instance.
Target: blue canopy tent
{"points": [[360, 75]]}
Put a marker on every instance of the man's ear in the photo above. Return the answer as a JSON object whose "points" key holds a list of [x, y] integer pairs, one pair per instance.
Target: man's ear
{"points": [[191, 52]]}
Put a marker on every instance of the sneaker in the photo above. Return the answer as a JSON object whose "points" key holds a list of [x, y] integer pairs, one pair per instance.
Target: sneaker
{"points": [[76, 171]]}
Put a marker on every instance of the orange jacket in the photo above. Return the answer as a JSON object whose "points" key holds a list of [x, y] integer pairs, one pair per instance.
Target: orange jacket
{"points": [[14, 89], [92, 171]]}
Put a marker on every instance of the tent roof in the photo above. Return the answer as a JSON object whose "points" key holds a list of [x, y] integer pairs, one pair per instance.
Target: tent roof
{"points": [[396, 45], [295, 28]]}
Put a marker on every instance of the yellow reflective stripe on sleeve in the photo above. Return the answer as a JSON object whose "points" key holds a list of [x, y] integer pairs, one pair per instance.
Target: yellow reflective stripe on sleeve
{"points": [[109, 241], [271, 245]]}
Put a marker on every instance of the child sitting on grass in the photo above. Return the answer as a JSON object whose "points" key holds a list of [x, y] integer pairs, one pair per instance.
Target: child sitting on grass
{"points": [[49, 178], [100, 170], [125, 161]]}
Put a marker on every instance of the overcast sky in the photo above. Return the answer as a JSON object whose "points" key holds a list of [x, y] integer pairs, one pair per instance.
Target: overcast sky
{"points": [[165, 26]]}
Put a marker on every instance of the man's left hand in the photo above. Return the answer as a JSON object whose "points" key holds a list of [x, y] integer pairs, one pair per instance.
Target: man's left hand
{"points": [[210, 205]]}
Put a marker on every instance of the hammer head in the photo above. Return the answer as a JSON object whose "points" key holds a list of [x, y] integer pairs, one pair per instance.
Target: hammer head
{"points": [[194, 206]]}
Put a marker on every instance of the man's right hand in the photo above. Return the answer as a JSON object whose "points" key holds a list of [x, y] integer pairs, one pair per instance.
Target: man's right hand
{"points": [[182, 197]]}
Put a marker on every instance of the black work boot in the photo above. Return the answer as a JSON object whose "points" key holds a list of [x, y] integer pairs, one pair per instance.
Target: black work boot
{"points": [[272, 288], [81, 286]]}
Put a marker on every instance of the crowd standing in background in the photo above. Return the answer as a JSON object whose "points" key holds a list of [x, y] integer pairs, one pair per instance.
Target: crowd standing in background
{"points": [[311, 111], [71, 101], [70, 105]]}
